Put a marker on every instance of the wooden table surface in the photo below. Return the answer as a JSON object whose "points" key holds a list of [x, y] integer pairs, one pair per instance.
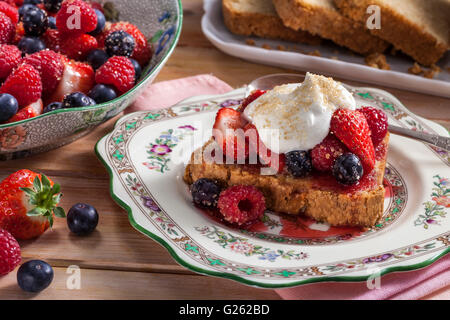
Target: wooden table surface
{"points": [[117, 262]]}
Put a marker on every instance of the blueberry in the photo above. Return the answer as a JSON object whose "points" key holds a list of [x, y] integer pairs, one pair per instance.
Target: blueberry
{"points": [[205, 192], [137, 69], [35, 22], [30, 45], [82, 219], [77, 99], [102, 93], [120, 43], [53, 106], [53, 5], [32, 2], [347, 169], [8, 107], [298, 163], [34, 276], [96, 58], [25, 8], [101, 22], [52, 22]]}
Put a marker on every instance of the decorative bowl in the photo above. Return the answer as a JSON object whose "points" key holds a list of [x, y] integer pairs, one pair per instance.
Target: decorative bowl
{"points": [[160, 21]]}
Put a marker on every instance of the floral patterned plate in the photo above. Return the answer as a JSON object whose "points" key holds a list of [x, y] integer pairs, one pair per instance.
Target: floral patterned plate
{"points": [[146, 154]]}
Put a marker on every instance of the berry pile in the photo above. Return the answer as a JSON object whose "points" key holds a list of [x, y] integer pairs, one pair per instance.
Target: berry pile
{"points": [[346, 153], [49, 60]]}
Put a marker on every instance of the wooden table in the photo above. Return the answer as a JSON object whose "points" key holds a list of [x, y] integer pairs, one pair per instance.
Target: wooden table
{"points": [[117, 262]]}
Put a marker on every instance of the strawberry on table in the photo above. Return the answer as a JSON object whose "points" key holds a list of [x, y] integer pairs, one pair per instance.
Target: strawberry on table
{"points": [[28, 204], [352, 129], [117, 71], [25, 84], [33, 110], [9, 253], [65, 22]]}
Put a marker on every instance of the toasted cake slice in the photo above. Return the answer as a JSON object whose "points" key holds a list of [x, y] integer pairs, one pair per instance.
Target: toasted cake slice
{"points": [[321, 17], [419, 28], [317, 196], [259, 18]]}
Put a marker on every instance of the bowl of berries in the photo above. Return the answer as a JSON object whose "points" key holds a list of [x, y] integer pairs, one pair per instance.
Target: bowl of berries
{"points": [[67, 66]]}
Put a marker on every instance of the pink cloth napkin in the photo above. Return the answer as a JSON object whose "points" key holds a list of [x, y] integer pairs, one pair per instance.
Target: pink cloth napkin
{"points": [[399, 285]]}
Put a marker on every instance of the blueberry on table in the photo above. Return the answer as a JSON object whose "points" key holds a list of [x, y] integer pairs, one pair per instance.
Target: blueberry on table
{"points": [[34, 276], [347, 169], [53, 106], [101, 22], [35, 22], [82, 219], [120, 43], [102, 93], [77, 99], [8, 107], [52, 5], [137, 69], [205, 192], [298, 163], [30, 45], [96, 58]]}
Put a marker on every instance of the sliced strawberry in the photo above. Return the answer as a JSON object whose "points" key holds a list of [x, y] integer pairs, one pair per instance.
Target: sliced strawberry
{"points": [[352, 129], [255, 94], [227, 135], [30, 111], [77, 77]]}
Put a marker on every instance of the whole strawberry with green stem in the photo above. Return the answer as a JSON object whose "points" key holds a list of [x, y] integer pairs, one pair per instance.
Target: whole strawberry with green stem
{"points": [[28, 204]]}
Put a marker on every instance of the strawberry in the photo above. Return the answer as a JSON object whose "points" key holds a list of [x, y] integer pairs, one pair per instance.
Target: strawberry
{"points": [[77, 77], [352, 129], [67, 21], [10, 57], [378, 123], [266, 156], [7, 29], [78, 47], [9, 253], [51, 39], [28, 203], [255, 94], [226, 133], [24, 83], [118, 72], [142, 52], [50, 66], [10, 11], [30, 111], [325, 153]]}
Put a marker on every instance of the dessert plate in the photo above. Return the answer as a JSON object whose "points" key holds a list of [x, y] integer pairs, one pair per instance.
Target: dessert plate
{"points": [[334, 60], [145, 156]]}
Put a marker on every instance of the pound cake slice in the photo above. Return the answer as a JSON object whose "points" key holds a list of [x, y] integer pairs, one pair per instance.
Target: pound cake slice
{"points": [[419, 28], [321, 17], [259, 18]]}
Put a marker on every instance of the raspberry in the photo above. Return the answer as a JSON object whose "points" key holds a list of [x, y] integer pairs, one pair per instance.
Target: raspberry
{"points": [[24, 83], [51, 39], [325, 153], [255, 94], [9, 253], [78, 47], [206, 192], [64, 18], [10, 11], [10, 57], [241, 204], [352, 129], [118, 72], [142, 52], [50, 66], [378, 123], [7, 29]]}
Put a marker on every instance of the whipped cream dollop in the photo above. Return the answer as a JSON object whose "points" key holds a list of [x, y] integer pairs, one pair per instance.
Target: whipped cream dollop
{"points": [[297, 116]]}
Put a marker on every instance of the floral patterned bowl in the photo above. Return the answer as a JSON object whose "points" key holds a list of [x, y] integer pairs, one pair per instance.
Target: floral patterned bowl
{"points": [[160, 21]]}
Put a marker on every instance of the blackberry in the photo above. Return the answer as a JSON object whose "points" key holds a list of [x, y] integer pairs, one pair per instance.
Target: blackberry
{"points": [[53, 5], [205, 192], [298, 163], [35, 22], [347, 169], [120, 43], [77, 99]]}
